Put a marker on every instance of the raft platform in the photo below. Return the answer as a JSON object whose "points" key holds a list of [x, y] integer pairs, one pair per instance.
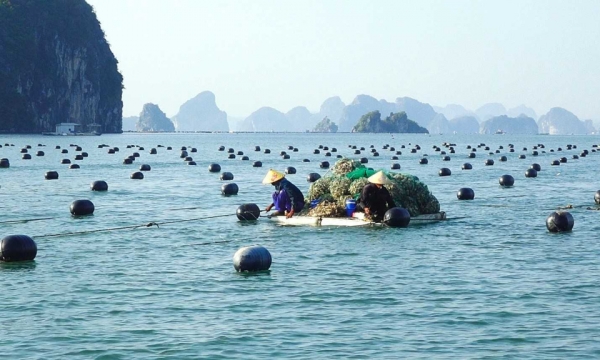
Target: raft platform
{"points": [[356, 220]]}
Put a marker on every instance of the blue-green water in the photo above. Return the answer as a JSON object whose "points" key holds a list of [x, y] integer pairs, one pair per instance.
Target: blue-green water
{"points": [[495, 284]]}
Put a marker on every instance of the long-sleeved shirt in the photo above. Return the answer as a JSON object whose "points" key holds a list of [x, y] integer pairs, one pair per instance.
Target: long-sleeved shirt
{"points": [[378, 200], [296, 199]]}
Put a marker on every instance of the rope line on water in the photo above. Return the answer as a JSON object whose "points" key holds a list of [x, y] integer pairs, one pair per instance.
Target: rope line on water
{"points": [[25, 220], [150, 224]]}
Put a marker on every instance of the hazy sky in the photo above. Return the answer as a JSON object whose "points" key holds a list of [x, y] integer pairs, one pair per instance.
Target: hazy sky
{"points": [[284, 53]]}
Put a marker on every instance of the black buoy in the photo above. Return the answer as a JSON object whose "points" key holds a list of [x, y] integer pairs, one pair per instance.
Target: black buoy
{"points": [[73, 166], [506, 180], [138, 175], [536, 167], [26, 157], [64, 151], [126, 161], [503, 158], [153, 151], [191, 163], [245, 158], [136, 154], [575, 157], [560, 221], [229, 189], [145, 167], [82, 207], [465, 194], [230, 150], [466, 166], [444, 172], [4, 163], [285, 157], [65, 161], [17, 248], [247, 212], [39, 153], [267, 151], [316, 151], [489, 162], [534, 153], [214, 167], [51, 175], [257, 148], [188, 158], [597, 197], [99, 185], [446, 158], [555, 163], [312, 177], [531, 173], [305, 160], [111, 151], [257, 164], [252, 258], [226, 175], [423, 161], [240, 153], [563, 159], [364, 160], [395, 166], [192, 150], [522, 156], [183, 154], [290, 170], [396, 217], [472, 155], [221, 148], [231, 156], [394, 157], [324, 165]]}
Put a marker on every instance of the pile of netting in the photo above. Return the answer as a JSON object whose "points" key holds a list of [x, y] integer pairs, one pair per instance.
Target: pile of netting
{"points": [[346, 181]]}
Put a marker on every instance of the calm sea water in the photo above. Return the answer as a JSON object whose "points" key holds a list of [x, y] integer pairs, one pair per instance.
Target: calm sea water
{"points": [[492, 283]]}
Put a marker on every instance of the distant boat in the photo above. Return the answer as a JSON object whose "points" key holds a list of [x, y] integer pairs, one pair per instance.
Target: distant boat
{"points": [[500, 132], [70, 129]]}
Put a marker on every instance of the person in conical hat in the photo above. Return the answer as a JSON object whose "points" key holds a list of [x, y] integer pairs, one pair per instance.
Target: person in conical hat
{"points": [[375, 199], [287, 198]]}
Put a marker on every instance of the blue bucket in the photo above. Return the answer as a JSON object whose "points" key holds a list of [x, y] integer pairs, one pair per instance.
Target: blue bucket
{"points": [[350, 207]]}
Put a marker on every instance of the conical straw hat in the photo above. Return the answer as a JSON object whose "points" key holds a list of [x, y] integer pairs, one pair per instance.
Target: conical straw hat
{"points": [[379, 178], [272, 176]]}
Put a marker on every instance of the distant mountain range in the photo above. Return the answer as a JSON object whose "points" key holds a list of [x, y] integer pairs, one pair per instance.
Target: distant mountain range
{"points": [[201, 113]]}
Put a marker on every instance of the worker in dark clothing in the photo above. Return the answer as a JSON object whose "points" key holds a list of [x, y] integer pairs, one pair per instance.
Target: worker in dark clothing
{"points": [[375, 199], [287, 198]]}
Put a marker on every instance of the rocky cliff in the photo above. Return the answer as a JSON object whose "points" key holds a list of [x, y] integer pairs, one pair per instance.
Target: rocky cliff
{"points": [[300, 118], [439, 125], [326, 126], [395, 123], [464, 125], [153, 119], [559, 121], [56, 66], [201, 113], [266, 119], [332, 108], [509, 125], [361, 105], [417, 111], [488, 111]]}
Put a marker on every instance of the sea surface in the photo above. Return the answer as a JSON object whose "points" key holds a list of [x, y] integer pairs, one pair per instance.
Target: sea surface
{"points": [[489, 283]]}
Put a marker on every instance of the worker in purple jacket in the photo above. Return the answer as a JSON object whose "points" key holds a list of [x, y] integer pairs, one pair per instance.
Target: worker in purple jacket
{"points": [[287, 198]]}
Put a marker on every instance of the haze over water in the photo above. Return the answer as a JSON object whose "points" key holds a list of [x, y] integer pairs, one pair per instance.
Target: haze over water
{"points": [[489, 282]]}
